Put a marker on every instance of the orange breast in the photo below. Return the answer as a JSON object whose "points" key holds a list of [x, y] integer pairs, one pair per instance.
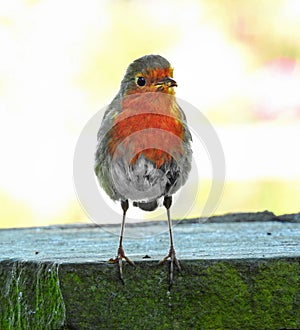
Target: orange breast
{"points": [[152, 130]]}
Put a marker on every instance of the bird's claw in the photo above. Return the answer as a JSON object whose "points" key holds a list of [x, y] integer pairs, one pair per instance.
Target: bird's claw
{"points": [[174, 261], [118, 260], [121, 255]]}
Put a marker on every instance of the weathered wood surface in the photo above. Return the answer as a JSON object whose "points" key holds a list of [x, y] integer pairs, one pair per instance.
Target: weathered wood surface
{"points": [[240, 271], [226, 237]]}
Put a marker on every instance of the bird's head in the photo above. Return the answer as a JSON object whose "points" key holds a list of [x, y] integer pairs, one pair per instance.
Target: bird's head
{"points": [[150, 73]]}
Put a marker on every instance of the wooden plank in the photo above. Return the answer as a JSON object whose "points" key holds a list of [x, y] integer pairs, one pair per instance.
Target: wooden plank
{"points": [[238, 272]]}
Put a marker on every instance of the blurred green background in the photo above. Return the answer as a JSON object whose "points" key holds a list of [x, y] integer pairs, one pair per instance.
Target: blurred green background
{"points": [[61, 61]]}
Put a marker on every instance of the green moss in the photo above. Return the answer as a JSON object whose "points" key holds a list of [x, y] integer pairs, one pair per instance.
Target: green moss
{"points": [[233, 294], [208, 295], [276, 295], [225, 299], [31, 297]]}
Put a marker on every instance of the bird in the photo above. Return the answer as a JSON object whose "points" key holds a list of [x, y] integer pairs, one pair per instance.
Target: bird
{"points": [[144, 154]]}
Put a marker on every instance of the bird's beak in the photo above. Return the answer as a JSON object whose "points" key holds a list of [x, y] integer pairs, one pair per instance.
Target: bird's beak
{"points": [[167, 82]]}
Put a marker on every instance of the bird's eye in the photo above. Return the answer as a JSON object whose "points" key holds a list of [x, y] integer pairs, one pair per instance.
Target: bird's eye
{"points": [[140, 81]]}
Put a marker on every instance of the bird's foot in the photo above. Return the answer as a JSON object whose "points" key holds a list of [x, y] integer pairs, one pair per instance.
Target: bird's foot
{"points": [[174, 261], [118, 260]]}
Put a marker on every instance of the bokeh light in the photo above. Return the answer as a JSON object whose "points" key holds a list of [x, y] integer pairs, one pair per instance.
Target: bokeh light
{"points": [[61, 61]]}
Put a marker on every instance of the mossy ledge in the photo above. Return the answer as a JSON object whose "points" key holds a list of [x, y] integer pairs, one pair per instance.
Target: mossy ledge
{"points": [[234, 276], [231, 294]]}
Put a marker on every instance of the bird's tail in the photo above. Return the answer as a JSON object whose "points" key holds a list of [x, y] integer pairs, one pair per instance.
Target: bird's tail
{"points": [[146, 206]]}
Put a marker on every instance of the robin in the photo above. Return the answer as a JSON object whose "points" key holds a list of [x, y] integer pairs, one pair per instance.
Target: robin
{"points": [[144, 145]]}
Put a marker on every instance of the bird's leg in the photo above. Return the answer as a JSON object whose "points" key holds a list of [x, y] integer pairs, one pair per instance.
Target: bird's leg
{"points": [[121, 254], [171, 255]]}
